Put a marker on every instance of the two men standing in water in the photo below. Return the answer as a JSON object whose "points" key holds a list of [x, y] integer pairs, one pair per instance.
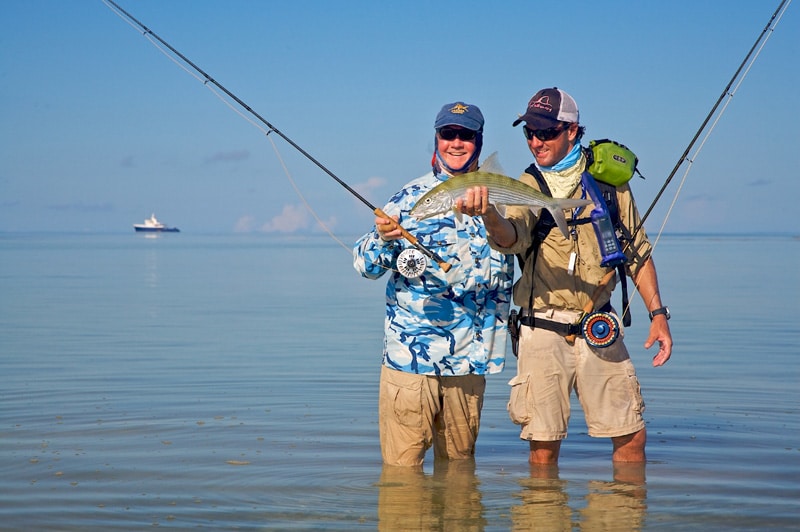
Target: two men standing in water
{"points": [[444, 328]]}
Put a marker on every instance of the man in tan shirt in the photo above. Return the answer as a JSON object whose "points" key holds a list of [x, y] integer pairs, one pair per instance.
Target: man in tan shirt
{"points": [[560, 280]]}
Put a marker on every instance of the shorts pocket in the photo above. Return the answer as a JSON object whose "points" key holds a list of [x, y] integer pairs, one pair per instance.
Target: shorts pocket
{"points": [[635, 392], [520, 403]]}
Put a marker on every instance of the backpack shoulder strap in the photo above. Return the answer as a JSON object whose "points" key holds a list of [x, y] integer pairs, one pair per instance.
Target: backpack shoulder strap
{"points": [[545, 222], [609, 193], [537, 174]]}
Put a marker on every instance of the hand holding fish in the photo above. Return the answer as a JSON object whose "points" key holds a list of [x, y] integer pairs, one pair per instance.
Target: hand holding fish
{"points": [[502, 191], [475, 201]]}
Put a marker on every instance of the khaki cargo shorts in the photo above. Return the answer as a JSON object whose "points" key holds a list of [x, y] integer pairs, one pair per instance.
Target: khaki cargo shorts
{"points": [[549, 369], [420, 411]]}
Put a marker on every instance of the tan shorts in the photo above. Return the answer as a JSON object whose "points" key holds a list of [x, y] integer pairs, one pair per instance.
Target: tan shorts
{"points": [[420, 411], [549, 369]]}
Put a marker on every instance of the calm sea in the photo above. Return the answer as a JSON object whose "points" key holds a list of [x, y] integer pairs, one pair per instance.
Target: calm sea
{"points": [[230, 382]]}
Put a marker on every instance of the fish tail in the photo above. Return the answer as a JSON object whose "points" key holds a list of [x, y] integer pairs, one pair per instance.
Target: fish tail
{"points": [[558, 208]]}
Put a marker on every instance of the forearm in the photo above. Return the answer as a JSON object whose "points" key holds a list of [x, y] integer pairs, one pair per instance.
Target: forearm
{"points": [[501, 230], [373, 256], [647, 284], [646, 281]]}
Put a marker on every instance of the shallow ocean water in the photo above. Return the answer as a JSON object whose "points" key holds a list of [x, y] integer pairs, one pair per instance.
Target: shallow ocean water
{"points": [[230, 382]]}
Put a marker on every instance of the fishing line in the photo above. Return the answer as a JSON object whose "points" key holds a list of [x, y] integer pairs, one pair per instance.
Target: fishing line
{"points": [[206, 80], [744, 69], [238, 111], [748, 62], [731, 94]]}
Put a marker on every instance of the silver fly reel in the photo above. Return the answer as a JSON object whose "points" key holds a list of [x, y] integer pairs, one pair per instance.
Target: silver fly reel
{"points": [[411, 263]]}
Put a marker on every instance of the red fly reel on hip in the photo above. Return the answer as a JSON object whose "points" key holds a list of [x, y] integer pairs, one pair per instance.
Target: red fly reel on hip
{"points": [[600, 329]]}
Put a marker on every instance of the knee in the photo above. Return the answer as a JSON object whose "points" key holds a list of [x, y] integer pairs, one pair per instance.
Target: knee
{"points": [[544, 452], [630, 448]]}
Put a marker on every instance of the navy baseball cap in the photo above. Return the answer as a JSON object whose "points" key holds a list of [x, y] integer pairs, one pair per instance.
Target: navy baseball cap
{"points": [[460, 114]]}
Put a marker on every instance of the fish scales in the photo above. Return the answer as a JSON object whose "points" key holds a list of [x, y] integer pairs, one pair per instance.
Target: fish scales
{"points": [[503, 191]]}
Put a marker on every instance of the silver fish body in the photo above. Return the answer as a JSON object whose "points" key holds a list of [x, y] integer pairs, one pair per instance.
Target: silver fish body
{"points": [[503, 191]]}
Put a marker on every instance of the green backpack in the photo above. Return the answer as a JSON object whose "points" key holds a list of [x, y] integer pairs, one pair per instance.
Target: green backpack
{"points": [[611, 162]]}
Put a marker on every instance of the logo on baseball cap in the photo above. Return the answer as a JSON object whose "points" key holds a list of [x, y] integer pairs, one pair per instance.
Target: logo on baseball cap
{"points": [[547, 108], [460, 114]]}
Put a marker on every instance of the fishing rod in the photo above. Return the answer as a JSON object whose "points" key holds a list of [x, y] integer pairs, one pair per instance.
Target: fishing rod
{"points": [[725, 92], [272, 129]]}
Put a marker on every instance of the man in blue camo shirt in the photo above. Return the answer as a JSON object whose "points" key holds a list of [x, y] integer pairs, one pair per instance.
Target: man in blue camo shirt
{"points": [[444, 331]]}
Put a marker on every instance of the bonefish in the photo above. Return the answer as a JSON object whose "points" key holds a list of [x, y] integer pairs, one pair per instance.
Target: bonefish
{"points": [[503, 192]]}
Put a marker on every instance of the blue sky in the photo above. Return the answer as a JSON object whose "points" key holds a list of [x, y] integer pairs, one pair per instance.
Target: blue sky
{"points": [[100, 129]]}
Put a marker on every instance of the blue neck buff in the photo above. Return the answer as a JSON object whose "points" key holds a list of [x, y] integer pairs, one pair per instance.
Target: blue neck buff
{"points": [[439, 164], [567, 162]]}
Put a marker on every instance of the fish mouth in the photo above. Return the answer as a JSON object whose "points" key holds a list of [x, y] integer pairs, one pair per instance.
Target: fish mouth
{"points": [[421, 215]]}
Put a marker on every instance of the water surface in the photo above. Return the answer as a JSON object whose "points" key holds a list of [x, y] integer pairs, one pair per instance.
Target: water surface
{"points": [[230, 382]]}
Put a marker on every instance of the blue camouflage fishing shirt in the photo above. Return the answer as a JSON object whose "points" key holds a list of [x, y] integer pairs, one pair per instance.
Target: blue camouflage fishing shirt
{"points": [[446, 324]]}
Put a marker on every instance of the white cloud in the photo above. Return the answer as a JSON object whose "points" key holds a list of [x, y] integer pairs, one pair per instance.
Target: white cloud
{"points": [[244, 224], [370, 186], [228, 156], [294, 217]]}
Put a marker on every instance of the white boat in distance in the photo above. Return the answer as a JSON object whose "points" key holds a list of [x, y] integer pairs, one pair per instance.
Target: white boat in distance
{"points": [[152, 225]]}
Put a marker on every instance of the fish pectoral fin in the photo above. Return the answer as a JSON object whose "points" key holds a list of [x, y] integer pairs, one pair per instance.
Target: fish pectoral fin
{"points": [[501, 209]]}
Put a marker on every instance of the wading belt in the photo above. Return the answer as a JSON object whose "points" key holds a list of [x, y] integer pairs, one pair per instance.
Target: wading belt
{"points": [[564, 329], [570, 331]]}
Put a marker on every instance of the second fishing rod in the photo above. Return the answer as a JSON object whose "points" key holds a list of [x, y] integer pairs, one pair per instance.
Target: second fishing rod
{"points": [[725, 92], [272, 129]]}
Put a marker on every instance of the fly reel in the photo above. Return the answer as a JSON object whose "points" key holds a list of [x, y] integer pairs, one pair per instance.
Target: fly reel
{"points": [[411, 263], [600, 329]]}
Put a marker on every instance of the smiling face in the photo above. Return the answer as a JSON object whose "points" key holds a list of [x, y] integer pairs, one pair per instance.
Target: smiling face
{"points": [[456, 152], [550, 152]]}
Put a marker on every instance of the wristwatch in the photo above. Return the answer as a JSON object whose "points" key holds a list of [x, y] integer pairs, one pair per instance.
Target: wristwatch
{"points": [[656, 312]]}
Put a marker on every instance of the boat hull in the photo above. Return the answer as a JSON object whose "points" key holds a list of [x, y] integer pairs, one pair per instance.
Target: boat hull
{"points": [[156, 229]]}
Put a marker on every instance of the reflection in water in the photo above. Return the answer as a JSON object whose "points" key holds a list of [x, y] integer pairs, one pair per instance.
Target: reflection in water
{"points": [[408, 499], [151, 281], [151, 268], [616, 505], [544, 502]]}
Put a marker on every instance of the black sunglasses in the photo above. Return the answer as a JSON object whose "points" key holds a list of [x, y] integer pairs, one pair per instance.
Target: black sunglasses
{"points": [[448, 133], [544, 134]]}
